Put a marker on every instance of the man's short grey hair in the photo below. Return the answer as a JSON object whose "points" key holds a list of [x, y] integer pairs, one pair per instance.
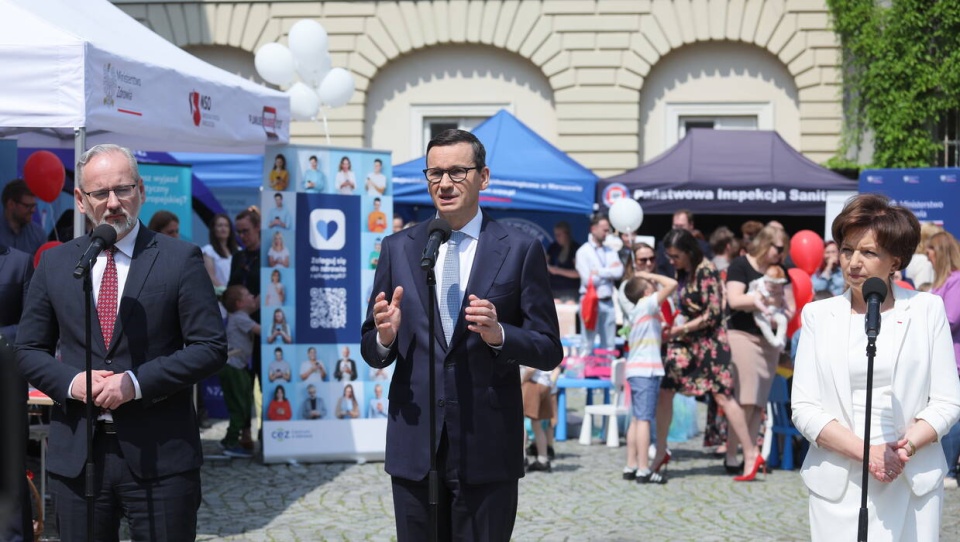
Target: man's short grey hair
{"points": [[105, 148]]}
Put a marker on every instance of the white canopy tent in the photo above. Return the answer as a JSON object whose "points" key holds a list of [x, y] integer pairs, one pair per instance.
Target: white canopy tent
{"points": [[78, 73]]}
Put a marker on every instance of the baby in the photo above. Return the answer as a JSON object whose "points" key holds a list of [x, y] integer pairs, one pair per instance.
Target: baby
{"points": [[771, 316]]}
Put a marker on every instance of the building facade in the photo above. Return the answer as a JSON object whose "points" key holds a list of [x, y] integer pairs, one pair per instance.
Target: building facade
{"points": [[611, 82]]}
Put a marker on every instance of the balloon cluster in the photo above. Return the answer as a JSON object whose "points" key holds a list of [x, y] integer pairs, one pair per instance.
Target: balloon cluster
{"points": [[319, 84], [806, 251]]}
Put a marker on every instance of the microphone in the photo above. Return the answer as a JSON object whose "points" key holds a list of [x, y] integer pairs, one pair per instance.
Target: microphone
{"points": [[439, 233], [874, 291], [102, 238]]}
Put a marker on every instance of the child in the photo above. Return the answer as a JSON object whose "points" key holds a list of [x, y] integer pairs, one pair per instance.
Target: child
{"points": [[644, 369], [236, 382], [771, 317], [537, 405]]}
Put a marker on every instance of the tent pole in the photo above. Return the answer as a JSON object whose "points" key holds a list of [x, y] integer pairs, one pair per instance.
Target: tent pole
{"points": [[79, 146]]}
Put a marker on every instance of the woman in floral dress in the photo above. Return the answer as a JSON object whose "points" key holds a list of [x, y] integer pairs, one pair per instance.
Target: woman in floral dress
{"points": [[697, 358]]}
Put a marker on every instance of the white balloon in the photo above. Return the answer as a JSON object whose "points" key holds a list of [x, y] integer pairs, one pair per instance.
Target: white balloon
{"points": [[304, 102], [313, 71], [308, 40], [337, 87], [626, 215], [274, 63]]}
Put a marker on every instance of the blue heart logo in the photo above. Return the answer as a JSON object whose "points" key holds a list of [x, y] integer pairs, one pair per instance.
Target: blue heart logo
{"points": [[326, 229]]}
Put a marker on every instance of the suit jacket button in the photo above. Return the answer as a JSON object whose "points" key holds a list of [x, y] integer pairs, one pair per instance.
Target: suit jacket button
{"points": [[440, 402], [108, 362]]}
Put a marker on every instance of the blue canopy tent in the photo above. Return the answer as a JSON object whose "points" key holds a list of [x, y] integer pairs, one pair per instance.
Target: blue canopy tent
{"points": [[526, 173]]}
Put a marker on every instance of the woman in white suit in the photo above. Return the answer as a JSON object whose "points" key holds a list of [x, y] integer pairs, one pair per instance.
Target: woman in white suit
{"points": [[916, 395]]}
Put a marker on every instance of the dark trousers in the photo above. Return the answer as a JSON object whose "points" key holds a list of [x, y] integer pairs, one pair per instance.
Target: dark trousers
{"points": [[238, 397], [158, 509], [467, 512]]}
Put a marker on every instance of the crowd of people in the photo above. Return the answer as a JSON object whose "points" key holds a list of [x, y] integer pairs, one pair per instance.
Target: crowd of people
{"points": [[702, 316]]}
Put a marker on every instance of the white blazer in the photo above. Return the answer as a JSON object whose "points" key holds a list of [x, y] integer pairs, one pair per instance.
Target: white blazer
{"points": [[925, 386]]}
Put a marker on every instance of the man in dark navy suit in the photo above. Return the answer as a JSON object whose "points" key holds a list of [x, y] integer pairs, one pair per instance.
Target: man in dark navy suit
{"points": [[156, 332], [501, 314]]}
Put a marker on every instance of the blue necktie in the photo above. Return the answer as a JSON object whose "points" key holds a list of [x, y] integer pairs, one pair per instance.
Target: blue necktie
{"points": [[450, 297]]}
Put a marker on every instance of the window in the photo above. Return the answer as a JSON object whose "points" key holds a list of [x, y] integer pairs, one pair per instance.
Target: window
{"points": [[429, 120], [947, 134], [721, 116]]}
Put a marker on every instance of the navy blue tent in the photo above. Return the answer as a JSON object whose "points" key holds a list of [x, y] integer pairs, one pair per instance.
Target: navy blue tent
{"points": [[526, 172], [726, 172]]}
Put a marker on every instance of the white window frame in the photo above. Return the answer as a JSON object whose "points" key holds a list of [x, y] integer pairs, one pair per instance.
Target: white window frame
{"points": [[763, 111], [419, 131]]}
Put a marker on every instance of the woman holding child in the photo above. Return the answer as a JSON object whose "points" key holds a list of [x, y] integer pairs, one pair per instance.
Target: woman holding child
{"points": [[754, 358], [697, 358]]}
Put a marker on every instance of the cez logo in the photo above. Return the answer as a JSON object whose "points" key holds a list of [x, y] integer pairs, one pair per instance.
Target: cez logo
{"points": [[328, 229]]}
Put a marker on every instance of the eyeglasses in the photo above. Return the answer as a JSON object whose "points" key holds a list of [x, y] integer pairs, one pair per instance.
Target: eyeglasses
{"points": [[27, 206], [673, 257], [779, 248], [646, 260], [457, 174], [122, 192]]}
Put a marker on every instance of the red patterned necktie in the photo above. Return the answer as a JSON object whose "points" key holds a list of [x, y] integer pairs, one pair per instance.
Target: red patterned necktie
{"points": [[107, 298]]}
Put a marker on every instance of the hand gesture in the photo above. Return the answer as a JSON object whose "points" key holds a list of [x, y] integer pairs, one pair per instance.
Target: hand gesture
{"points": [[481, 318], [386, 315]]}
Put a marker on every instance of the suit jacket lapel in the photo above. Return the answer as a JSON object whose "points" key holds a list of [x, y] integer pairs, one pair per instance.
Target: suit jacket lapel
{"points": [[901, 321], [487, 261], [838, 350], [144, 255], [418, 240]]}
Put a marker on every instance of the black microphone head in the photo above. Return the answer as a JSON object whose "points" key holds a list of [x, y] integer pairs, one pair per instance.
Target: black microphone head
{"points": [[442, 226], [106, 232], [875, 287]]}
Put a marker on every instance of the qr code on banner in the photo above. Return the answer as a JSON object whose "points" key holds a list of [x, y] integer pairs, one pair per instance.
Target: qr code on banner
{"points": [[328, 308]]}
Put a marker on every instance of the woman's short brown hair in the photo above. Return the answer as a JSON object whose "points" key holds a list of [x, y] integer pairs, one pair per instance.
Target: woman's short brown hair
{"points": [[896, 228]]}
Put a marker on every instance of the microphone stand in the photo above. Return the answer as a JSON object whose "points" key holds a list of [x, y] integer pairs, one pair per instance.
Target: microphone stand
{"points": [[871, 353], [433, 478], [88, 336]]}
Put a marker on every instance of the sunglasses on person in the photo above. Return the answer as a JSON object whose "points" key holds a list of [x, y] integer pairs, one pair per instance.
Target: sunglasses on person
{"points": [[645, 260]]}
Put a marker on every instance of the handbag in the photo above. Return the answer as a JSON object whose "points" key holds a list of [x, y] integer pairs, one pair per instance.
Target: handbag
{"points": [[589, 307]]}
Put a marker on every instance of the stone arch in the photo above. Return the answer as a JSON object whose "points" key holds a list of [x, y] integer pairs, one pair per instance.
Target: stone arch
{"points": [[595, 55], [461, 80], [717, 79]]}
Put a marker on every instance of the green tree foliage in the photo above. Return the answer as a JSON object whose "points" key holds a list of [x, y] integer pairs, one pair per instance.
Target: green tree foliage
{"points": [[901, 74]]}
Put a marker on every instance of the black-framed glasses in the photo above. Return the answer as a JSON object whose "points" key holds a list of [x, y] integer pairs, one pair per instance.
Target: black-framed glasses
{"points": [[28, 206], [457, 174], [780, 248], [122, 192]]}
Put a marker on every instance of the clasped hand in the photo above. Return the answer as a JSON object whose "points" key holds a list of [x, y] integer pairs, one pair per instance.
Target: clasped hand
{"points": [[110, 390], [887, 460]]}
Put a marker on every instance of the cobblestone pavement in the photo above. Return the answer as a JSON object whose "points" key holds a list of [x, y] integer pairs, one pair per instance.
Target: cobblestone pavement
{"points": [[583, 499]]}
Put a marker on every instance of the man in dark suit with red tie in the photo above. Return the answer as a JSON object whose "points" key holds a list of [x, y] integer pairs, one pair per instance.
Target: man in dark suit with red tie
{"points": [[156, 330], [501, 314]]}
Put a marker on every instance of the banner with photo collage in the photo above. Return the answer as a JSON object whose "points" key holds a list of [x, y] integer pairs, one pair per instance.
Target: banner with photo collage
{"points": [[324, 212]]}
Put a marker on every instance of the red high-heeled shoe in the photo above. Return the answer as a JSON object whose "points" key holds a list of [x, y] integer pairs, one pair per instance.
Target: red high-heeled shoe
{"points": [[662, 463], [757, 465]]}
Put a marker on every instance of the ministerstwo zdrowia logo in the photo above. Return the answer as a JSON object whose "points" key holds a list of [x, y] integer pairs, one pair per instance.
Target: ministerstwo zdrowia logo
{"points": [[328, 229]]}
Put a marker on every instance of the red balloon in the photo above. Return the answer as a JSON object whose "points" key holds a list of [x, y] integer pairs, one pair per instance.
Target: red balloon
{"points": [[806, 250], [44, 174], [802, 294], [904, 284], [46, 246]]}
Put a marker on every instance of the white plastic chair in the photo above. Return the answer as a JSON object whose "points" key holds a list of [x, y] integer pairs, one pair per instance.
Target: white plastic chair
{"points": [[619, 405]]}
